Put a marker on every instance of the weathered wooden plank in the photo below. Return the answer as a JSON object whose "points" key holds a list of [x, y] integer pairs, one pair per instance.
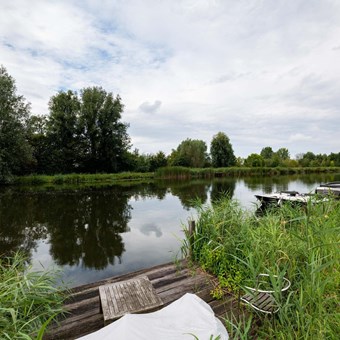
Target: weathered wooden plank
{"points": [[131, 296]]}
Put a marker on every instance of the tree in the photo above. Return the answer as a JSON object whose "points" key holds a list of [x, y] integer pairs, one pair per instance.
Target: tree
{"points": [[157, 161], [307, 159], [282, 154], [37, 137], [105, 136], [15, 151], [221, 151], [254, 160], [267, 152], [190, 153], [63, 131], [85, 133]]}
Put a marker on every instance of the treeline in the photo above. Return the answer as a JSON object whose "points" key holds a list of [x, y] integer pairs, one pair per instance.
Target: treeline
{"points": [[84, 133]]}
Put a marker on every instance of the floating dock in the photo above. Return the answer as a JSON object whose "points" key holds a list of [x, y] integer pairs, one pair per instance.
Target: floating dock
{"points": [[170, 282]]}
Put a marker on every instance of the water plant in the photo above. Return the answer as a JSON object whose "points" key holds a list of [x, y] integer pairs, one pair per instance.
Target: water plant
{"points": [[301, 244], [29, 300]]}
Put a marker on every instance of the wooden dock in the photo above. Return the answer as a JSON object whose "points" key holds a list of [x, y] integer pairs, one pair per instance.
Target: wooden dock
{"points": [[170, 281]]}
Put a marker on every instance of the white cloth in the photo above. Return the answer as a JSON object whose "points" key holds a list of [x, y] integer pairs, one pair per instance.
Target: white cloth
{"points": [[185, 318]]}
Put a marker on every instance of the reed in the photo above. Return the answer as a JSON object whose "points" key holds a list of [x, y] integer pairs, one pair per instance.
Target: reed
{"points": [[301, 244], [29, 300], [81, 178]]}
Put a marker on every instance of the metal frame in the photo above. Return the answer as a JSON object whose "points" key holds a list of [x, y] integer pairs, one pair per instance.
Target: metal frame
{"points": [[259, 297]]}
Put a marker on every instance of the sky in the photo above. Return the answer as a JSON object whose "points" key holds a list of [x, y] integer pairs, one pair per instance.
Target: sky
{"points": [[264, 72]]}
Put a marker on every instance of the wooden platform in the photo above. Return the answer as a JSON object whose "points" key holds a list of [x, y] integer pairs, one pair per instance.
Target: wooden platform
{"points": [[169, 281]]}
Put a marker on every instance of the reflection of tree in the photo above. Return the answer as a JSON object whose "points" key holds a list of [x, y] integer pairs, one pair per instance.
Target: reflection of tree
{"points": [[82, 226], [190, 191], [19, 229], [86, 227], [268, 184], [222, 187]]}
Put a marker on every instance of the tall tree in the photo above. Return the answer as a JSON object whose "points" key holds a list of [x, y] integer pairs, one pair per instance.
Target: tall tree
{"points": [[15, 151], [63, 131], [105, 136], [221, 150]]}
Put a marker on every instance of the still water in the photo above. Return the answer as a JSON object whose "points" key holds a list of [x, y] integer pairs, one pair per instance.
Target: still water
{"points": [[93, 233]]}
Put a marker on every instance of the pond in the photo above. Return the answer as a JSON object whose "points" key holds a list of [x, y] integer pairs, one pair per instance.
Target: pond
{"points": [[93, 233]]}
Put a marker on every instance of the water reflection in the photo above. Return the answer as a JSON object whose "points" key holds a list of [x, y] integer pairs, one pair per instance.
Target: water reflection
{"points": [[81, 226], [94, 233]]}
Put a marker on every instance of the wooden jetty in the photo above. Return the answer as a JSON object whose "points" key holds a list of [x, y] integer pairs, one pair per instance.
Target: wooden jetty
{"points": [[170, 281]]}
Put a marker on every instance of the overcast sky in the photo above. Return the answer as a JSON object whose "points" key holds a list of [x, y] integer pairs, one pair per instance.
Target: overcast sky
{"points": [[266, 73]]}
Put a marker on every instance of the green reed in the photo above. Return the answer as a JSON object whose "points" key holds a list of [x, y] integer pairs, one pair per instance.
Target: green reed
{"points": [[29, 300], [299, 243]]}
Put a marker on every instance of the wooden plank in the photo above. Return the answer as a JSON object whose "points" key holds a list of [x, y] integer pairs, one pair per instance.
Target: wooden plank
{"points": [[131, 296]]}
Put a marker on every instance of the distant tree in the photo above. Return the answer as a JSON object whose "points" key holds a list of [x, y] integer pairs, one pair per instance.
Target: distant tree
{"points": [[15, 152], [268, 156], [221, 150], [267, 153], [307, 159], [283, 153], [190, 153], [334, 159], [157, 161], [254, 160]]}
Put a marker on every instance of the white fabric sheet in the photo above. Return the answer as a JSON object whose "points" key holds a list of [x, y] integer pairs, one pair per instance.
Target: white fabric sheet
{"points": [[185, 318]]}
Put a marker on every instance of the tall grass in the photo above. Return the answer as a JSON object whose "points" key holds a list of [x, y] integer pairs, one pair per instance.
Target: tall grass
{"points": [[28, 300], [178, 172], [301, 244], [81, 178]]}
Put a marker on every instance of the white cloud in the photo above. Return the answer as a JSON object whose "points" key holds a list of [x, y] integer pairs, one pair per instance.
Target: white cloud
{"points": [[266, 73]]}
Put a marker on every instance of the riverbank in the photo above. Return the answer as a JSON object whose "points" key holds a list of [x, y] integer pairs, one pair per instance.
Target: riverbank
{"points": [[165, 173], [301, 245]]}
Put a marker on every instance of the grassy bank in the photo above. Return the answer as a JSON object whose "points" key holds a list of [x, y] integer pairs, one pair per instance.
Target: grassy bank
{"points": [[82, 178], [28, 300], [165, 173], [299, 244], [182, 172]]}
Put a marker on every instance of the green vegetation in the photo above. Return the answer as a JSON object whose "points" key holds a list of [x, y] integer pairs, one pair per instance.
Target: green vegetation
{"points": [[187, 173], [301, 244], [175, 172], [222, 153], [190, 153], [29, 300], [82, 178]]}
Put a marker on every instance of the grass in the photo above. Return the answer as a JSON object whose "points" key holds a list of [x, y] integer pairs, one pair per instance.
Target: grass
{"points": [[28, 300], [301, 244], [82, 178], [175, 172]]}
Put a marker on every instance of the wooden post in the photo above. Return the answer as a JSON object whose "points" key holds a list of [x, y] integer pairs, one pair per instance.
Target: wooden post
{"points": [[191, 230], [192, 226]]}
